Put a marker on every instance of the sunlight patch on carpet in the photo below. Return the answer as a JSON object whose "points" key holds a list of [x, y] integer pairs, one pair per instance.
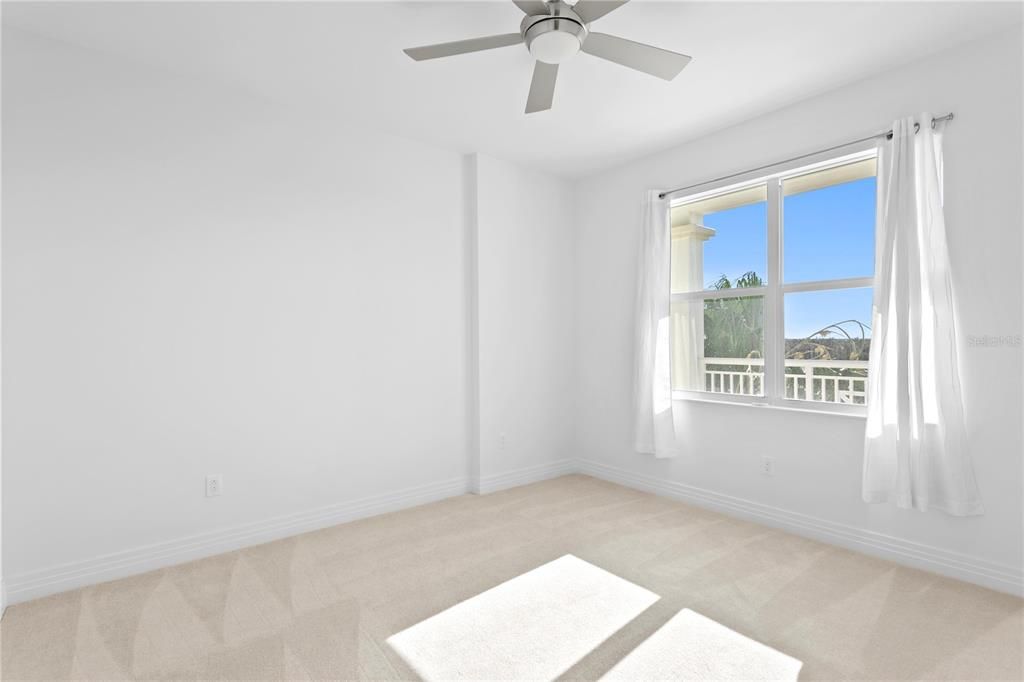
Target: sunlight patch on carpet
{"points": [[693, 647], [534, 626]]}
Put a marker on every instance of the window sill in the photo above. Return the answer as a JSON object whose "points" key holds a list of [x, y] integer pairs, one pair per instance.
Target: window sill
{"points": [[833, 410]]}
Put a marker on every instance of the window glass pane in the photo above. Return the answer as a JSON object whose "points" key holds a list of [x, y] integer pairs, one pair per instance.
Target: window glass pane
{"points": [[720, 241], [719, 345], [828, 341], [828, 223]]}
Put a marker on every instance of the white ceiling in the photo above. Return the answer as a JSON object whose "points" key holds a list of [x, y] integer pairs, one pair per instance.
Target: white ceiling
{"points": [[749, 58]]}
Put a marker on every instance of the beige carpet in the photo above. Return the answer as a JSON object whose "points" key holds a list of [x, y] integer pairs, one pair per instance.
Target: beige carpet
{"points": [[324, 604]]}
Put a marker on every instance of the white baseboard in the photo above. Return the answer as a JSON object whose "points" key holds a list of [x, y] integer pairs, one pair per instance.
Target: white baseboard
{"points": [[916, 555], [41, 583], [69, 576], [525, 475], [150, 557]]}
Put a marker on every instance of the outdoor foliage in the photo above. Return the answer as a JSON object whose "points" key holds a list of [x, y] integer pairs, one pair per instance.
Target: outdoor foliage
{"points": [[734, 328]]}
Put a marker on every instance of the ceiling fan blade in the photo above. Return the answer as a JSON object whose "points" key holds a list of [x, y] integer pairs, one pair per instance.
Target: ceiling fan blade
{"points": [[647, 58], [532, 7], [542, 87], [463, 46], [589, 10]]}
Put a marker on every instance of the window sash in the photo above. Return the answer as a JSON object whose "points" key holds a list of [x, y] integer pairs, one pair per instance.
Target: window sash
{"points": [[774, 291]]}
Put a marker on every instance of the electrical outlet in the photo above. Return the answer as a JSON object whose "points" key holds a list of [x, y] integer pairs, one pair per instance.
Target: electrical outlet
{"points": [[501, 440], [768, 466], [214, 485]]}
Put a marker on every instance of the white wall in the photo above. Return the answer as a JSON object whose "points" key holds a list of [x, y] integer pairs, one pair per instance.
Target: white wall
{"points": [[196, 281], [199, 281], [817, 483], [525, 315]]}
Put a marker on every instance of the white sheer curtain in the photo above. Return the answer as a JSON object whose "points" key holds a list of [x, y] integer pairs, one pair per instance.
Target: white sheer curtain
{"points": [[654, 431], [916, 449]]}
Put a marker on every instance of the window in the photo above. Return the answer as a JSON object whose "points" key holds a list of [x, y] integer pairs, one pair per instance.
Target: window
{"points": [[771, 287]]}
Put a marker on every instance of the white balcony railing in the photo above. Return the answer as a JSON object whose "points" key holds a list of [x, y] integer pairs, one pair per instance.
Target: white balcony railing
{"points": [[838, 381]]}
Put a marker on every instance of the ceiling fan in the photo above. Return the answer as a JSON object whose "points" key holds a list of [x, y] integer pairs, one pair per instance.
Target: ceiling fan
{"points": [[554, 31]]}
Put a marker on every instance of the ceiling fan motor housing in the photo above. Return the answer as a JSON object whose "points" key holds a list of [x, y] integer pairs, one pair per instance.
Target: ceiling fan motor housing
{"points": [[553, 38]]}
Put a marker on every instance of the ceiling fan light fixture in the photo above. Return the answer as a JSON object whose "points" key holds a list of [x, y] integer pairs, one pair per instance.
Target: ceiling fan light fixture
{"points": [[554, 47], [554, 40]]}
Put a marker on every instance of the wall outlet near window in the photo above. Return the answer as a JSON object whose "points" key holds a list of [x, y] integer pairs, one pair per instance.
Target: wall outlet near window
{"points": [[768, 466], [214, 485]]}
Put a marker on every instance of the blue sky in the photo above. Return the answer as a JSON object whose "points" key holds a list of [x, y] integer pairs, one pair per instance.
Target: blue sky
{"points": [[828, 233]]}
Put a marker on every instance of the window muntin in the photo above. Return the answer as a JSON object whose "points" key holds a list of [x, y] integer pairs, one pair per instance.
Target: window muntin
{"points": [[743, 331]]}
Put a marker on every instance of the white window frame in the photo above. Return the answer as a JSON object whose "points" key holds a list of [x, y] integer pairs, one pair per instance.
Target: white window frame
{"points": [[775, 290]]}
